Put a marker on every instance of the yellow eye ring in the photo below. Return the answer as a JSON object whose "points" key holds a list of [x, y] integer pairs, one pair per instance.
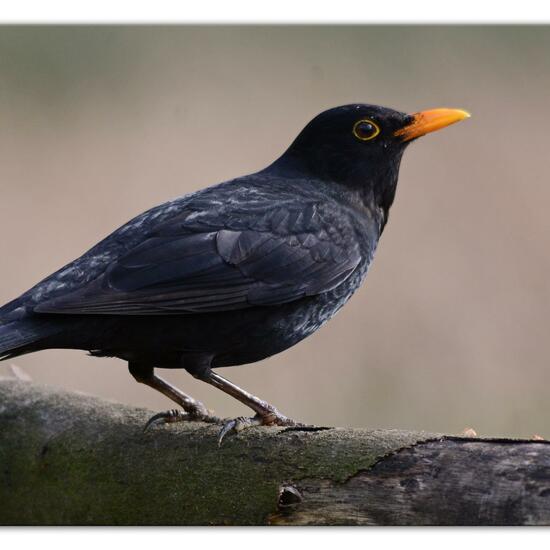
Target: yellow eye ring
{"points": [[365, 134]]}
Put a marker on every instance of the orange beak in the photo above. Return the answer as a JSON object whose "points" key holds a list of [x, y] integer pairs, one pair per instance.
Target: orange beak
{"points": [[429, 121]]}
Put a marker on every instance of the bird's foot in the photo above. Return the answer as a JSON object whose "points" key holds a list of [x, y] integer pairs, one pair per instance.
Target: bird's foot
{"points": [[236, 425], [177, 415]]}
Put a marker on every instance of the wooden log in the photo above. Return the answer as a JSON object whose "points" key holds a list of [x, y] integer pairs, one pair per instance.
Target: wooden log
{"points": [[68, 458]]}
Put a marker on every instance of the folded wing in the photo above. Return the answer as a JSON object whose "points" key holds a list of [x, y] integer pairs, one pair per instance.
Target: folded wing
{"points": [[193, 270]]}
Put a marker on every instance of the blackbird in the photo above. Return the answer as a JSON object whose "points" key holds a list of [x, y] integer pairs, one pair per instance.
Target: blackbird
{"points": [[233, 273]]}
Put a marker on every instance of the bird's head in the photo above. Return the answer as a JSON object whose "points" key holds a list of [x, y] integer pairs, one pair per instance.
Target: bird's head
{"points": [[360, 146]]}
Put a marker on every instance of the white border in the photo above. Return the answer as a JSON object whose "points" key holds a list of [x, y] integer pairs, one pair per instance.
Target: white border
{"points": [[276, 11], [281, 12], [273, 538]]}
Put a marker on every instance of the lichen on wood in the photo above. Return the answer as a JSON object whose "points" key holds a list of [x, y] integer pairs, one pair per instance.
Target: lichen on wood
{"points": [[68, 458]]}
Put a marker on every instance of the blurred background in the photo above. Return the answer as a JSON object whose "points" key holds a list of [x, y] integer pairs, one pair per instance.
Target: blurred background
{"points": [[450, 330]]}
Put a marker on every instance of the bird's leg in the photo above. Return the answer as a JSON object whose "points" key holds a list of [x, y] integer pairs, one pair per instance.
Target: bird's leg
{"points": [[266, 414], [194, 410]]}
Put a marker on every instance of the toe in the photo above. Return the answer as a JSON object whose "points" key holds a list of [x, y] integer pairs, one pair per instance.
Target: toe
{"points": [[238, 425], [173, 415], [176, 415]]}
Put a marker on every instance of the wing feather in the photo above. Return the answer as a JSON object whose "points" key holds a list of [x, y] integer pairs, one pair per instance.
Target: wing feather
{"points": [[204, 269]]}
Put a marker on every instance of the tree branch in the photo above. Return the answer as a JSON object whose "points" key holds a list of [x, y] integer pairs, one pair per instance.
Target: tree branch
{"points": [[68, 458]]}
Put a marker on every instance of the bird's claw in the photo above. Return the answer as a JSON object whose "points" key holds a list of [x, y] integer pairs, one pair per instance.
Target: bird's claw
{"points": [[177, 415], [236, 425], [173, 415], [240, 423]]}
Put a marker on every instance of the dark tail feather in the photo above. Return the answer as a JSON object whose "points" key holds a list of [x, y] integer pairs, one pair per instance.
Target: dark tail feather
{"points": [[22, 336]]}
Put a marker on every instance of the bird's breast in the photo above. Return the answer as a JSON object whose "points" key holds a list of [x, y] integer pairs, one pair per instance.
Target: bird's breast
{"points": [[324, 306]]}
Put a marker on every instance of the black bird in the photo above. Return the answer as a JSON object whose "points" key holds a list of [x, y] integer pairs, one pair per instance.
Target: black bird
{"points": [[233, 273]]}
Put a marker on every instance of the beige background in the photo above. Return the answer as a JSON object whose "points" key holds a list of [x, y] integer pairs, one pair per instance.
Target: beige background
{"points": [[451, 328]]}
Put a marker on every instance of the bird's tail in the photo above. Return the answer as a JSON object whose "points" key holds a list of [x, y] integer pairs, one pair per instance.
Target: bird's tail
{"points": [[22, 336]]}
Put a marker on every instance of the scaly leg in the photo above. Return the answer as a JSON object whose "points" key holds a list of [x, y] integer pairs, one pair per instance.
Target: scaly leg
{"points": [[194, 410], [266, 414]]}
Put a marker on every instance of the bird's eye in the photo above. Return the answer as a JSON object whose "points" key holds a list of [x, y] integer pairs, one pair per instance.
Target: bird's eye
{"points": [[365, 129]]}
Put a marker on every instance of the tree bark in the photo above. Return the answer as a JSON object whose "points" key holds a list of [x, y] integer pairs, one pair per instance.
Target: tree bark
{"points": [[68, 458]]}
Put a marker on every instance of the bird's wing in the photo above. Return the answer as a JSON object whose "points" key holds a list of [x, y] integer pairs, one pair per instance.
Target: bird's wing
{"points": [[201, 263]]}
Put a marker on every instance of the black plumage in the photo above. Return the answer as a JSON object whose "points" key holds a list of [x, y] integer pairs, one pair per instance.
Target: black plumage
{"points": [[233, 273]]}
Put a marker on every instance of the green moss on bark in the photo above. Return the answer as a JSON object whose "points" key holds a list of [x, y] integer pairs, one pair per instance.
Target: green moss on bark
{"points": [[68, 458]]}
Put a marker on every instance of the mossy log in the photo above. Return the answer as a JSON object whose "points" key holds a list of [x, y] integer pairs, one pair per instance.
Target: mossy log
{"points": [[68, 458]]}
